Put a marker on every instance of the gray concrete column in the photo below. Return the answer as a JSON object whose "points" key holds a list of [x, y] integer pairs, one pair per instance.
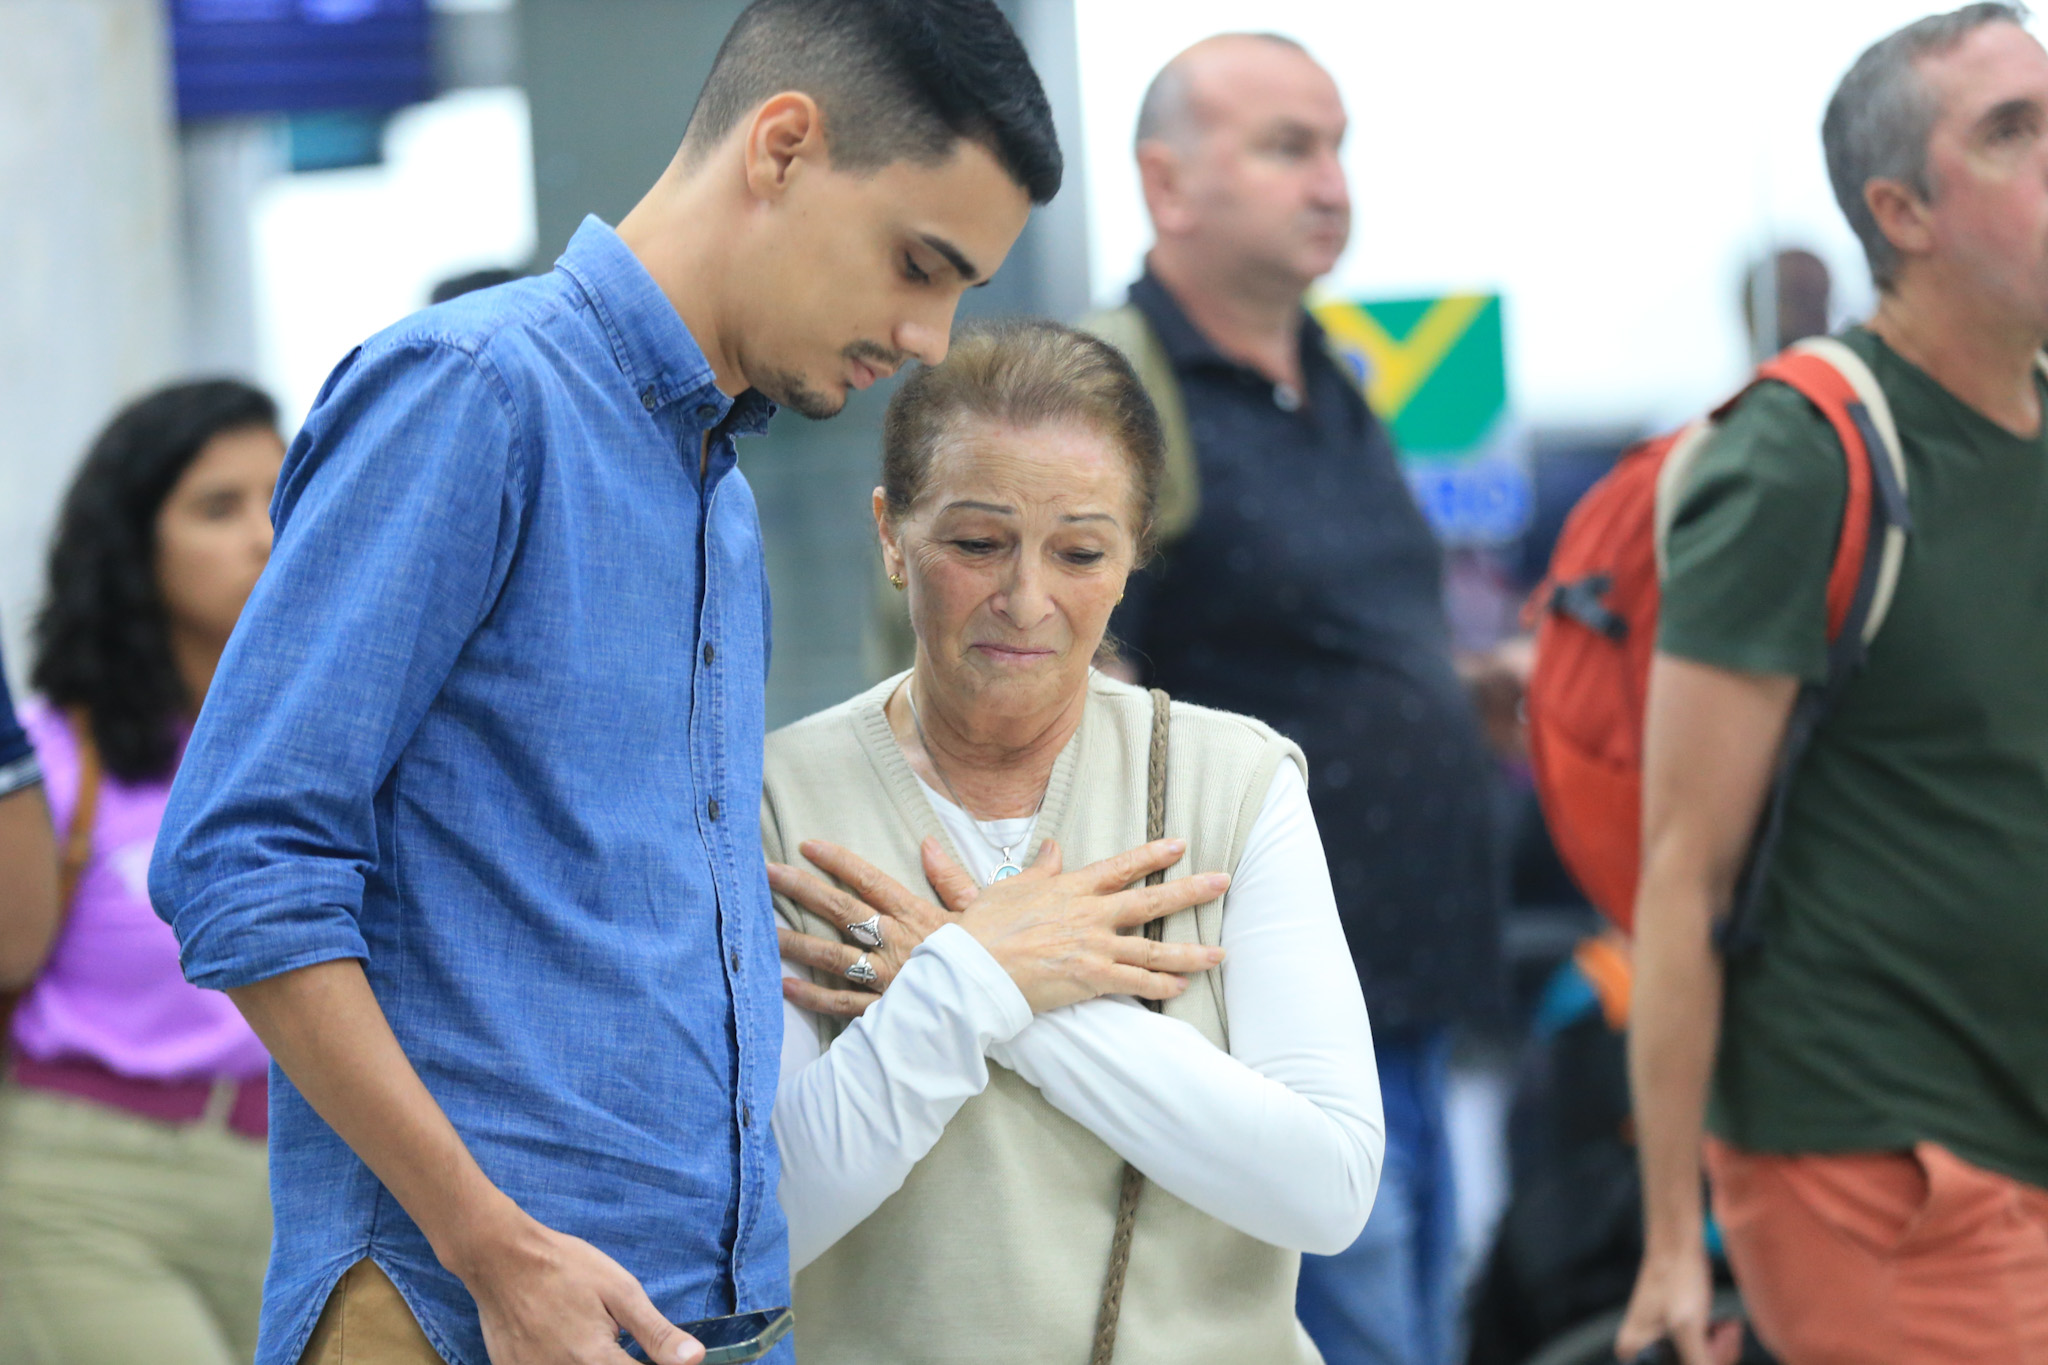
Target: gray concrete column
{"points": [[224, 162], [90, 297]]}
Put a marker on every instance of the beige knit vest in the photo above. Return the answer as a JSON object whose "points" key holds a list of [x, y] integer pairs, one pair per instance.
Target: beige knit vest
{"points": [[994, 1249]]}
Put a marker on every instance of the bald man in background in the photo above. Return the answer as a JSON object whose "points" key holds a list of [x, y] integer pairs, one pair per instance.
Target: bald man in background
{"points": [[1299, 583]]}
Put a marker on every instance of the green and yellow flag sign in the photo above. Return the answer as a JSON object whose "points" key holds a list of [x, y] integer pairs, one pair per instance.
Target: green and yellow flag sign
{"points": [[1435, 370]]}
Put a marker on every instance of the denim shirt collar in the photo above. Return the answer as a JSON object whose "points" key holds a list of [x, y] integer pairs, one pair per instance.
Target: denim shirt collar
{"points": [[655, 351]]}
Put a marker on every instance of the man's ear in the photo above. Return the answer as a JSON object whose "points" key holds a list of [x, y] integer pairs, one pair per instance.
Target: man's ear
{"points": [[1160, 173], [1901, 216], [785, 133]]}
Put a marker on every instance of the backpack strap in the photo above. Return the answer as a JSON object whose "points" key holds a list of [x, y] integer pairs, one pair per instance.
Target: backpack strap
{"points": [[1674, 478], [1868, 555], [1180, 484], [1835, 380]]}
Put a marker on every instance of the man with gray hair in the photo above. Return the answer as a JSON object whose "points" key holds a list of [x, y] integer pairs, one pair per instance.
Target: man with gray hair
{"points": [[1298, 582], [1872, 1081]]}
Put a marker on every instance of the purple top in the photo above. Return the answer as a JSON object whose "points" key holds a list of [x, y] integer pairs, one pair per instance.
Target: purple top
{"points": [[112, 991]]}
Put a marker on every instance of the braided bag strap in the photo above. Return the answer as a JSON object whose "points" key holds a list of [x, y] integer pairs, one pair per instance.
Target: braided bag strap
{"points": [[1133, 1182]]}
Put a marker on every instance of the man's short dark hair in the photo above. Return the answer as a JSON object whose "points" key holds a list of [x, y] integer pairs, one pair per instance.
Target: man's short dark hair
{"points": [[898, 80], [1882, 114]]}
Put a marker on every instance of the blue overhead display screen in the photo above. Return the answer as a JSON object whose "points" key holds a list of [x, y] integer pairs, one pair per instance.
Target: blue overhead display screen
{"points": [[297, 56]]}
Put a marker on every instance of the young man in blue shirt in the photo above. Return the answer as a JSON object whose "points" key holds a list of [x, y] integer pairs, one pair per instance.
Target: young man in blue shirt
{"points": [[468, 825]]}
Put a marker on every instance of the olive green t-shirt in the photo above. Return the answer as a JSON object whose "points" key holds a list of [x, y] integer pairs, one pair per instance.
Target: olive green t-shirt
{"points": [[1901, 990]]}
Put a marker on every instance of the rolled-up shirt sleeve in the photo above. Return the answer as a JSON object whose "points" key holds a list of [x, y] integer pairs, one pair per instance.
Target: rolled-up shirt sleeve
{"points": [[396, 515]]}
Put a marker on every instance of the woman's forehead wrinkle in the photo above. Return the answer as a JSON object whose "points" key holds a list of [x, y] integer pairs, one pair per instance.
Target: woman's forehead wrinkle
{"points": [[996, 469]]}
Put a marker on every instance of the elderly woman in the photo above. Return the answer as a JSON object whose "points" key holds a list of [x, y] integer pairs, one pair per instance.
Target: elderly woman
{"points": [[1121, 1179]]}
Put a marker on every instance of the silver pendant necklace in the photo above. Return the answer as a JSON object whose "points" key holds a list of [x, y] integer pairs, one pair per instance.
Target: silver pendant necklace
{"points": [[1008, 867]]}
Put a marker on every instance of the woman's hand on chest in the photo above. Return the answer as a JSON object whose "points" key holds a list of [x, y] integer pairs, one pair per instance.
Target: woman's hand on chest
{"points": [[1057, 934]]}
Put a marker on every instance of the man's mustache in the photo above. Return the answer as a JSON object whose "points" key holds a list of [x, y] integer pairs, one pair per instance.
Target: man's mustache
{"points": [[881, 357]]}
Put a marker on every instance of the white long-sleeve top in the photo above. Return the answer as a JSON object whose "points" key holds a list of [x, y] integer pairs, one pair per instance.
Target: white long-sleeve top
{"points": [[1281, 1137]]}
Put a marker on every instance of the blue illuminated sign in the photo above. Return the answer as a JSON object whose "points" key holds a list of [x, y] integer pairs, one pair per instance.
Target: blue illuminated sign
{"points": [[236, 57]]}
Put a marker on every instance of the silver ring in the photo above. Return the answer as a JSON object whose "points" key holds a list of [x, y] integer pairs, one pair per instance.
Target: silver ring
{"points": [[862, 972], [868, 933]]}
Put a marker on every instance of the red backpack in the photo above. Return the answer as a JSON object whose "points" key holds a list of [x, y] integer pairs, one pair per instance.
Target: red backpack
{"points": [[1595, 615]]}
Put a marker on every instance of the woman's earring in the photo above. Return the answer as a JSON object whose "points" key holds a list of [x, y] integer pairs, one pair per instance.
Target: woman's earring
{"points": [[896, 581]]}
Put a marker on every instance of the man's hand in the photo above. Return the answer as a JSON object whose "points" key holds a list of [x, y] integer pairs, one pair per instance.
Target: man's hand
{"points": [[1673, 1301], [1499, 682], [1055, 933], [546, 1298]]}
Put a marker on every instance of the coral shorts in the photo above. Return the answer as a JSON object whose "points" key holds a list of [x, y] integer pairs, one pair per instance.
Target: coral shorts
{"points": [[1885, 1258]]}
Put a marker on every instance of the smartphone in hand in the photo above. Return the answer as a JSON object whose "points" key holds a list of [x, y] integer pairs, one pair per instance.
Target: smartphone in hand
{"points": [[729, 1340]]}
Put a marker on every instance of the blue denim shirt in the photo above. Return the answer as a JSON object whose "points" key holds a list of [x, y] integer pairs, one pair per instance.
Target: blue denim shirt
{"points": [[492, 723]]}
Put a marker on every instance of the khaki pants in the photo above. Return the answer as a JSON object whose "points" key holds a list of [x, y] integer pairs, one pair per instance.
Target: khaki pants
{"points": [[366, 1322], [122, 1239]]}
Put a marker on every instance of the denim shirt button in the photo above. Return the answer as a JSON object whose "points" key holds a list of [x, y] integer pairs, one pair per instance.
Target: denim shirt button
{"points": [[713, 808], [709, 653], [705, 412], [746, 1116], [647, 398], [735, 961]]}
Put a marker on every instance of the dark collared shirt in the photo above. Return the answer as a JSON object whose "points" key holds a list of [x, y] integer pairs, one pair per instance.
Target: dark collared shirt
{"points": [[492, 724], [1309, 593]]}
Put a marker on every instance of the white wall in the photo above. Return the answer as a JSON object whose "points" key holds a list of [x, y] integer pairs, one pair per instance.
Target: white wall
{"points": [[343, 254], [1611, 165], [89, 284]]}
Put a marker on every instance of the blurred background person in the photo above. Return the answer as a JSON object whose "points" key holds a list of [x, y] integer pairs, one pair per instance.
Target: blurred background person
{"points": [[134, 1205], [1793, 289], [1306, 589], [1869, 1088]]}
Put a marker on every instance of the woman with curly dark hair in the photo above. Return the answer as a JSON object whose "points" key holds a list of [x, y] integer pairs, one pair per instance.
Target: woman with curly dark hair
{"points": [[134, 1212]]}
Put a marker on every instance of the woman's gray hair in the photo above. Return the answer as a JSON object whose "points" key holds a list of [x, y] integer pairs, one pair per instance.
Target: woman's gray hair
{"points": [[1027, 372], [1882, 114]]}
